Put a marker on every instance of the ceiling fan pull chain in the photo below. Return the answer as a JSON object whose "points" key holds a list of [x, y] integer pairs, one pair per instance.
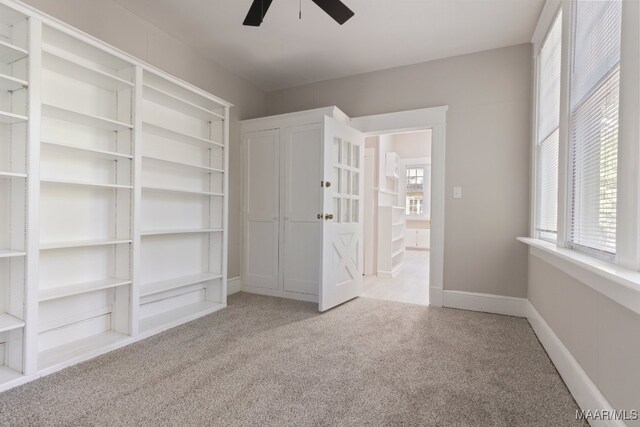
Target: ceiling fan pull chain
{"points": [[300, 13]]}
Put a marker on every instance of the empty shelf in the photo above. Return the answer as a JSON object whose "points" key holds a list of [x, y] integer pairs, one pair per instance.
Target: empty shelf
{"points": [[180, 315], [80, 349], [179, 191], [80, 244], [80, 288], [10, 53], [192, 231], [85, 184], [7, 374], [11, 83], [183, 165], [173, 102], [5, 253], [173, 135], [83, 119], [178, 282], [59, 61], [8, 322], [395, 224], [12, 175], [11, 118], [398, 252], [110, 155], [397, 239]]}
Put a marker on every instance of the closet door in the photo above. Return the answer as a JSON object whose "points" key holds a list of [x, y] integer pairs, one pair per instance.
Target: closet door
{"points": [[261, 204], [301, 204]]}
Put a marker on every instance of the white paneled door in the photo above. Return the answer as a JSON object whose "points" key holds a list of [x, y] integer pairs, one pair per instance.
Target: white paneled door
{"points": [[302, 200], [342, 217], [262, 211]]}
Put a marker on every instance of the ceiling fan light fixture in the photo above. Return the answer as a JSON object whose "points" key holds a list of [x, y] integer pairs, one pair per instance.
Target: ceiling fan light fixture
{"points": [[334, 8]]}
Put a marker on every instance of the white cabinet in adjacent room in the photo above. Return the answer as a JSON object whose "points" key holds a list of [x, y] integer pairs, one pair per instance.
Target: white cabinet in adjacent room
{"points": [[417, 238]]}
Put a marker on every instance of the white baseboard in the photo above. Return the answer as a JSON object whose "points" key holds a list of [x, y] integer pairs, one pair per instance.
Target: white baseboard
{"points": [[234, 285], [584, 391], [487, 303], [280, 294], [391, 274]]}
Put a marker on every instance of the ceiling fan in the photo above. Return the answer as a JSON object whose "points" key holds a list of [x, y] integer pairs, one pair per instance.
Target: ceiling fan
{"points": [[334, 8]]}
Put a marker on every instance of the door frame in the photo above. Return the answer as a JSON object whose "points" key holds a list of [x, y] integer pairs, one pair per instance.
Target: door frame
{"points": [[434, 118]]}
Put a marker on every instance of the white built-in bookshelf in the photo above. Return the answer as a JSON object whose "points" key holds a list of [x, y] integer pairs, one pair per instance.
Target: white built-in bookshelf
{"points": [[391, 235], [183, 199], [113, 197], [14, 121]]}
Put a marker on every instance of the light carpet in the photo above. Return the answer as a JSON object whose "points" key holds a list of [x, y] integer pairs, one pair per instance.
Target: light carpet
{"points": [[269, 361]]}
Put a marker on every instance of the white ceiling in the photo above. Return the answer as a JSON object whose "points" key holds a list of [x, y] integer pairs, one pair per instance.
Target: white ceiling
{"points": [[286, 52]]}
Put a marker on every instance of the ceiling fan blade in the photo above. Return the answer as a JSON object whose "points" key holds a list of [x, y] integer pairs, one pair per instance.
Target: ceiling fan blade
{"points": [[335, 9], [257, 11]]}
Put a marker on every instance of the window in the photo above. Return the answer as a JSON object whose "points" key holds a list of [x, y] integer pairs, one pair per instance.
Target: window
{"points": [[415, 191], [593, 125], [548, 134]]}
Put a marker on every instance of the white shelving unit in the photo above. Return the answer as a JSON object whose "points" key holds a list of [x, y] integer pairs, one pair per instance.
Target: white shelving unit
{"points": [[391, 235], [14, 118], [113, 206], [183, 204], [86, 197]]}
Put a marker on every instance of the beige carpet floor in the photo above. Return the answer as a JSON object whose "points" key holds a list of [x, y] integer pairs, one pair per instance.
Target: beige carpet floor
{"points": [[272, 362]]}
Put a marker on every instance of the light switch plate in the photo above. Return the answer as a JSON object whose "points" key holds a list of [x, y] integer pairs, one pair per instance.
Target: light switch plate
{"points": [[457, 192]]}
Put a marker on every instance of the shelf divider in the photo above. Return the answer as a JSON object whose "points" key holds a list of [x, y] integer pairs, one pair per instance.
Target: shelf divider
{"points": [[11, 53], [12, 118], [183, 165], [160, 97], [6, 253], [178, 282], [81, 244], [59, 61], [9, 322], [191, 231], [83, 119], [180, 191], [178, 316], [48, 294], [11, 84], [85, 184], [110, 155], [170, 134]]}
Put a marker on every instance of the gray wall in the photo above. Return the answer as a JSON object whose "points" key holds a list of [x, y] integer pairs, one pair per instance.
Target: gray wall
{"points": [[115, 25], [602, 335], [488, 121]]}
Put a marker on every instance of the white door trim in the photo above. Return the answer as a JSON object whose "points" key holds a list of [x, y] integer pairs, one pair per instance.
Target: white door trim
{"points": [[412, 120]]}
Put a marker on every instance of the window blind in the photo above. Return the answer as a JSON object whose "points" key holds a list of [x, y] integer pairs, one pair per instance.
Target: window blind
{"points": [[593, 128], [548, 109]]}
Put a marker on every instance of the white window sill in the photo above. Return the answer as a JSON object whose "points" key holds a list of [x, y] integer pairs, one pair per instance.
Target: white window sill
{"points": [[617, 283]]}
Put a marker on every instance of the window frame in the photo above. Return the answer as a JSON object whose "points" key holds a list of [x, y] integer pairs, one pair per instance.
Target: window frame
{"points": [[628, 193], [542, 34], [406, 185]]}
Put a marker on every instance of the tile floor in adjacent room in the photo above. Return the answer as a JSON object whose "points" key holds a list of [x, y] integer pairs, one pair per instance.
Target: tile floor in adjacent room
{"points": [[410, 286]]}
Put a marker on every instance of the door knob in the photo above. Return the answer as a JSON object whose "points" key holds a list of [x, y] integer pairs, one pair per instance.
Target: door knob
{"points": [[319, 216], [328, 216]]}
